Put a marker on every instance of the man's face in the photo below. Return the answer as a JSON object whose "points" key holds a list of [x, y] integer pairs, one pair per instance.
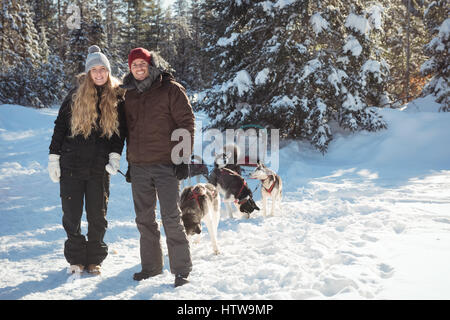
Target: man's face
{"points": [[139, 69]]}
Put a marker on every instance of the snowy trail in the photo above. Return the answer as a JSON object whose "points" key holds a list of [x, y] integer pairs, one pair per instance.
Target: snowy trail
{"points": [[353, 229]]}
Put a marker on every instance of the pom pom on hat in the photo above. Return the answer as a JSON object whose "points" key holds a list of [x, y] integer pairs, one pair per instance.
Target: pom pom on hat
{"points": [[93, 49]]}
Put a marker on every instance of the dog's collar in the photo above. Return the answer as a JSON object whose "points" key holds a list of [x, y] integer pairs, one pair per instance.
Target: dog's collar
{"points": [[242, 201]]}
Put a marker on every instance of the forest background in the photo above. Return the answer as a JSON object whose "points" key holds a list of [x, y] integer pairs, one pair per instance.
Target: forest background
{"points": [[307, 67]]}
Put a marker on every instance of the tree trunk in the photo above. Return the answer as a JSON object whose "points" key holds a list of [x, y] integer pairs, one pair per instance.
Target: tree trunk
{"points": [[408, 51]]}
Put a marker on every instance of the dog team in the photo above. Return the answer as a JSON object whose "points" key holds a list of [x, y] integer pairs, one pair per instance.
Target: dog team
{"points": [[201, 202], [95, 120]]}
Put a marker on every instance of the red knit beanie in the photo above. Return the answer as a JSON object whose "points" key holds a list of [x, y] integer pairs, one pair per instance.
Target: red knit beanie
{"points": [[139, 53]]}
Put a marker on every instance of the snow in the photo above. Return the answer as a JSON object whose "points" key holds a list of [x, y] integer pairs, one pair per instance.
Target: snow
{"points": [[243, 82], [375, 16], [335, 78], [261, 77], [310, 67], [223, 42], [284, 101], [373, 67], [444, 29], [370, 219], [352, 45], [358, 23], [283, 3], [318, 23], [352, 103]]}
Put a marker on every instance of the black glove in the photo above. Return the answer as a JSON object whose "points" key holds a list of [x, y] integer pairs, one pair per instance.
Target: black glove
{"points": [[182, 171]]}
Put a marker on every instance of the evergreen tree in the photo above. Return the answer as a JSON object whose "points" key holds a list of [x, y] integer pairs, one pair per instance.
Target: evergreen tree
{"points": [[20, 40], [438, 24], [297, 66], [181, 38], [198, 75], [395, 42], [23, 76], [154, 32]]}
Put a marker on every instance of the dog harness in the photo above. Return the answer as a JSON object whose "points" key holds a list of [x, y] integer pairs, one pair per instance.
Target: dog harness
{"points": [[271, 187], [195, 196], [242, 201]]}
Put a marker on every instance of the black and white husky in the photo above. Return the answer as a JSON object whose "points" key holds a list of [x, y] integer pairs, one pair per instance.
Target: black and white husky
{"points": [[271, 186], [201, 203], [233, 189]]}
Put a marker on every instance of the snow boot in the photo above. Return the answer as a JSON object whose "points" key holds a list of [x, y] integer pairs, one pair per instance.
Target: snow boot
{"points": [[180, 280], [94, 269], [138, 276], [76, 268]]}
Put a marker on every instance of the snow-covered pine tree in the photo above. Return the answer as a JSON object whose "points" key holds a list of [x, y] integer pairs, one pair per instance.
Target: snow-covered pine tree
{"points": [[290, 65], [395, 44], [154, 33], [181, 39], [8, 29], [438, 24], [205, 26], [21, 56], [115, 48], [364, 82], [227, 101], [197, 74]]}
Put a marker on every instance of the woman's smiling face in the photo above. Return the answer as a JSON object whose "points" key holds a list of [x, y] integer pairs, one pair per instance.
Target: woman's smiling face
{"points": [[99, 75]]}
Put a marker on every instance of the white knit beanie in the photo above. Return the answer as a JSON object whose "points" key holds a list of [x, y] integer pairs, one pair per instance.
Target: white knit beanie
{"points": [[96, 58]]}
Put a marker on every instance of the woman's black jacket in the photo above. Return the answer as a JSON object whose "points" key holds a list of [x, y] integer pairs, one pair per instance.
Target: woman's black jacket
{"points": [[85, 158]]}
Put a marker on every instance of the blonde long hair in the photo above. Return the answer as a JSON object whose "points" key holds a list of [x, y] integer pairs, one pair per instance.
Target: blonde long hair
{"points": [[84, 107]]}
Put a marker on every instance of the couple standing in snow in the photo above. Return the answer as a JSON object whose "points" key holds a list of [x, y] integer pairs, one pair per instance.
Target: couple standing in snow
{"points": [[92, 124]]}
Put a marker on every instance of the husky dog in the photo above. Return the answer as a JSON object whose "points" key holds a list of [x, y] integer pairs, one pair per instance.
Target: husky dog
{"points": [[228, 158], [234, 189], [271, 186], [201, 203]]}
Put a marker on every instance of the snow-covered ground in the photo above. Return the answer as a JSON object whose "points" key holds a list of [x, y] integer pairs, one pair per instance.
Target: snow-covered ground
{"points": [[368, 220]]}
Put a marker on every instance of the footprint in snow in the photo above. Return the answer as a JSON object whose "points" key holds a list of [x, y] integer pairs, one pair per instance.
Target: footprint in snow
{"points": [[386, 271]]}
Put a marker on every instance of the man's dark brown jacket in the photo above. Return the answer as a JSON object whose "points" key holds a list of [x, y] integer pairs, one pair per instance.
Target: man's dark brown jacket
{"points": [[152, 116]]}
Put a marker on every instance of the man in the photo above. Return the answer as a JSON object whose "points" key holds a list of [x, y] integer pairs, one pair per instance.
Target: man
{"points": [[156, 105]]}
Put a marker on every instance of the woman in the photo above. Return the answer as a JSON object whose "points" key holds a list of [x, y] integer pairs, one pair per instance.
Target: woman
{"points": [[86, 146]]}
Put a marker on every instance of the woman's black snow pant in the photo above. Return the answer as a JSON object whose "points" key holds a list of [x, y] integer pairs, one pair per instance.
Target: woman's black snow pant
{"points": [[95, 193]]}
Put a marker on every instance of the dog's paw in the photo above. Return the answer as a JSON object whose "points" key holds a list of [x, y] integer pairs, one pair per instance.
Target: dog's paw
{"points": [[216, 251]]}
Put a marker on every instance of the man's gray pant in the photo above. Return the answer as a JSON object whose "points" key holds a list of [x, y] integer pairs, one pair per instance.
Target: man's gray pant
{"points": [[148, 182]]}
